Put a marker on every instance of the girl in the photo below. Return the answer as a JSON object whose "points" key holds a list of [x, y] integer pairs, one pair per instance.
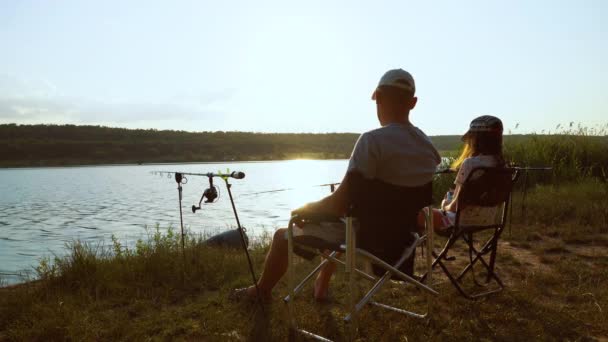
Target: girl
{"points": [[482, 148]]}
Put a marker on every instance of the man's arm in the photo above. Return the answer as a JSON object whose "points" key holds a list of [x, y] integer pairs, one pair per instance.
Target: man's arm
{"points": [[334, 204], [363, 160]]}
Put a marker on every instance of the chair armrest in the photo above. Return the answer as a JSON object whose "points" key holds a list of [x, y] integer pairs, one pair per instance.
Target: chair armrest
{"points": [[316, 217]]}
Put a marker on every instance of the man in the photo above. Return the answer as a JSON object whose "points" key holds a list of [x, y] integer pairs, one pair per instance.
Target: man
{"points": [[397, 153]]}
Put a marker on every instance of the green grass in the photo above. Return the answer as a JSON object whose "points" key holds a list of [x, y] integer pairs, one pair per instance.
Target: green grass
{"points": [[146, 292], [573, 153], [553, 258]]}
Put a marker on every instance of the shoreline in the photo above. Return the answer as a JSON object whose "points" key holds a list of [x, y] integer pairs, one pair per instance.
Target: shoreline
{"points": [[158, 163], [444, 154]]}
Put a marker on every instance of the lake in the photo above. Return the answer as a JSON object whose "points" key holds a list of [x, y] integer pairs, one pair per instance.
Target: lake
{"points": [[42, 209]]}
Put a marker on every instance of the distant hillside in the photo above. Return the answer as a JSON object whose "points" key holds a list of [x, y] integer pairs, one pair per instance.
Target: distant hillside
{"points": [[445, 143], [42, 145], [39, 145], [452, 143]]}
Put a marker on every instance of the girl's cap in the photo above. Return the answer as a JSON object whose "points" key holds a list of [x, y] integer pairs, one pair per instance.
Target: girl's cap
{"points": [[484, 123]]}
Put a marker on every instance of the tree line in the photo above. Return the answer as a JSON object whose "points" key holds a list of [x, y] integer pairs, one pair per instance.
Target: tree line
{"points": [[39, 145], [43, 145]]}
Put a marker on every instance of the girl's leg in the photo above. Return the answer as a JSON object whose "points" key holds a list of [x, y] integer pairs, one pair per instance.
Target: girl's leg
{"points": [[439, 220]]}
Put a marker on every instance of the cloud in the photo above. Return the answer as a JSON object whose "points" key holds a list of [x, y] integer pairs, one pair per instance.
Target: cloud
{"points": [[26, 101], [11, 86]]}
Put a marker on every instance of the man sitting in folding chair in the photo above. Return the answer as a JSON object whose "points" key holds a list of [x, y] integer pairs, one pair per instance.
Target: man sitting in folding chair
{"points": [[380, 229], [398, 153], [479, 201]]}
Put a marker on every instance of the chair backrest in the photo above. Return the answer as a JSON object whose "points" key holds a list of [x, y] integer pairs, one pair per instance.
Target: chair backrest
{"points": [[484, 196], [387, 214]]}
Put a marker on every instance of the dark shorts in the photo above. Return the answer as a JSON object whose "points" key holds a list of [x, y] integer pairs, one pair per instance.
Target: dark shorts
{"points": [[322, 236]]}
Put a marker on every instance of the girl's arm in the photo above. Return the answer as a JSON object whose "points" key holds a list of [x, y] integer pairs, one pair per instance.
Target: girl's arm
{"points": [[453, 205], [461, 176]]}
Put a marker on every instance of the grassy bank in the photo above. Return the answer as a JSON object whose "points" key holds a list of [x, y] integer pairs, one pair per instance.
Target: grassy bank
{"points": [[554, 267], [553, 258]]}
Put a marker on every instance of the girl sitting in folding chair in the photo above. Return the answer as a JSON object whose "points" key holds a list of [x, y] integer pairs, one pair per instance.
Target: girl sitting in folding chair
{"points": [[483, 148]]}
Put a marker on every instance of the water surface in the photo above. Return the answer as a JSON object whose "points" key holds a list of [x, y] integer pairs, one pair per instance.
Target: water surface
{"points": [[41, 209]]}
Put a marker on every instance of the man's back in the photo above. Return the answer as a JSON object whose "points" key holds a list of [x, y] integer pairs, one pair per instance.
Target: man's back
{"points": [[399, 154]]}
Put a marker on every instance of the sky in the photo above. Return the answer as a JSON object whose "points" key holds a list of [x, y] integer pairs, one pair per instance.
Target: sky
{"points": [[307, 66]]}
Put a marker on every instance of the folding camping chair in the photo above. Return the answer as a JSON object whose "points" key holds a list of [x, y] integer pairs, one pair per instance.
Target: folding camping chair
{"points": [[386, 236], [482, 206]]}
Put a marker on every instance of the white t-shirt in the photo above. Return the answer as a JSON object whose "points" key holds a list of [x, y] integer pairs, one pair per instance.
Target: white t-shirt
{"points": [[471, 163], [474, 215], [399, 154]]}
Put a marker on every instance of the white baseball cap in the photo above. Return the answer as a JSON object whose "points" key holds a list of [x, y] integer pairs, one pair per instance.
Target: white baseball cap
{"points": [[398, 78]]}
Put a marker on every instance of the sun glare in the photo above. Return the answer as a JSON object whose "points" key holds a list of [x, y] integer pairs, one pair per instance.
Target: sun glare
{"points": [[305, 175]]}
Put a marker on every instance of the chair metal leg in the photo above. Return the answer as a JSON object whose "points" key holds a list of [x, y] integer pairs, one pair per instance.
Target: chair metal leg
{"points": [[493, 252], [489, 247], [331, 257], [368, 295], [351, 270], [397, 272], [387, 275], [290, 274], [292, 291], [313, 335], [472, 250], [439, 257], [359, 272], [350, 266], [300, 286], [401, 311], [430, 230], [478, 258]]}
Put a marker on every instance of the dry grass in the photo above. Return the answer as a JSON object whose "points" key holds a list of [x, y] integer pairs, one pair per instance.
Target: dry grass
{"points": [[95, 294]]}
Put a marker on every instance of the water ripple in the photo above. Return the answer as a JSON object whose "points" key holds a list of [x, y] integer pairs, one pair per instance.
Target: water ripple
{"points": [[43, 213]]}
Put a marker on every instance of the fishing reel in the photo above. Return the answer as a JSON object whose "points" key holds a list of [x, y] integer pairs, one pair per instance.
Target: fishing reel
{"points": [[210, 195]]}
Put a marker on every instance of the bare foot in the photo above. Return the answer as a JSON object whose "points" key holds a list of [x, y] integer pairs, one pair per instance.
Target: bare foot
{"points": [[249, 294]]}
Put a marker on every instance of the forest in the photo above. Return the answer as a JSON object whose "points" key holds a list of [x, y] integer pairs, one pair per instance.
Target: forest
{"points": [[63, 145], [56, 145]]}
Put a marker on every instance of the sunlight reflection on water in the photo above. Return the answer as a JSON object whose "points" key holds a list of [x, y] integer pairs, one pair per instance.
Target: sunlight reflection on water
{"points": [[43, 208]]}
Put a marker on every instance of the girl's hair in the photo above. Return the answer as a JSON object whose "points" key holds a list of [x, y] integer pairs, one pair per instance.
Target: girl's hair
{"points": [[481, 143]]}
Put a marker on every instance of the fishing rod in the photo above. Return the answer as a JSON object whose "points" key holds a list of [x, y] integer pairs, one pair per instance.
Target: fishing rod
{"points": [[332, 186], [525, 168], [211, 195]]}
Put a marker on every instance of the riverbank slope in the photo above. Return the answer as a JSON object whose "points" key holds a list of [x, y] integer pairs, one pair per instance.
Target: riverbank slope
{"points": [[553, 262]]}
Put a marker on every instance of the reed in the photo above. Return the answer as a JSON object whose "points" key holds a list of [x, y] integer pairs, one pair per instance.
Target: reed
{"points": [[575, 154]]}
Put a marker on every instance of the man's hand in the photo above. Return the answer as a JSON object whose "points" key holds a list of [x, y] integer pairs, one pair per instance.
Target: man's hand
{"points": [[331, 206], [301, 211], [306, 208]]}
